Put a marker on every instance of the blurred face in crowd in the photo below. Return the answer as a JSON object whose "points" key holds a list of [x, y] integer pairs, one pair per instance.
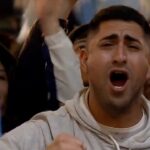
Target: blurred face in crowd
{"points": [[117, 65], [3, 86], [79, 47]]}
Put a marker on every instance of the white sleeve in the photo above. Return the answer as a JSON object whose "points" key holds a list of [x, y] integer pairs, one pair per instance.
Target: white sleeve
{"points": [[66, 65]]}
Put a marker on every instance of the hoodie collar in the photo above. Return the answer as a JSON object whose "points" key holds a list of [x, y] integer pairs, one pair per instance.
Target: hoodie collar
{"points": [[140, 140]]}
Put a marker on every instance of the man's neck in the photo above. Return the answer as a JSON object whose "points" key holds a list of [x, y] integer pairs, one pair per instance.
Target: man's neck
{"points": [[115, 118]]}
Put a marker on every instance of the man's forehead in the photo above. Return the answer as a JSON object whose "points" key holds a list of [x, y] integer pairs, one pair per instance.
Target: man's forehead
{"points": [[113, 36], [122, 29]]}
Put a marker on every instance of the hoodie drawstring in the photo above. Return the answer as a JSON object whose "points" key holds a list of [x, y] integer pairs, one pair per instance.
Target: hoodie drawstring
{"points": [[115, 142]]}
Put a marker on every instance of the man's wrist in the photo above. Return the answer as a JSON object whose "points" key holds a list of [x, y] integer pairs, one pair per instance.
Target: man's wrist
{"points": [[49, 26]]}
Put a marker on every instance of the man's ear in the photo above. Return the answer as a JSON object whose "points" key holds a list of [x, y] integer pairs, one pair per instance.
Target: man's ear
{"points": [[83, 60]]}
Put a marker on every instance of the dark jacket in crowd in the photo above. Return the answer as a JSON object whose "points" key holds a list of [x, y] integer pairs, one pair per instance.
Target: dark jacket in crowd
{"points": [[9, 63], [34, 85]]}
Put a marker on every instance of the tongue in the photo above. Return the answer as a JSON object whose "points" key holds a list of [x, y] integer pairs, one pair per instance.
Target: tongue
{"points": [[119, 83]]}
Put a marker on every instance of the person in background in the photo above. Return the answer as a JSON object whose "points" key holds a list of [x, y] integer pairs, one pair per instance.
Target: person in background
{"points": [[48, 70], [7, 68], [79, 38], [10, 43], [112, 112], [9, 26]]}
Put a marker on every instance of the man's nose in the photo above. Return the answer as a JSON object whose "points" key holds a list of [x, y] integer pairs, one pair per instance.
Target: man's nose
{"points": [[120, 55]]}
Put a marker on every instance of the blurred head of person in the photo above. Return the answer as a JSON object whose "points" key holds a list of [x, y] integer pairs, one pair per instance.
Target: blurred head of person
{"points": [[78, 37], [7, 63], [9, 41]]}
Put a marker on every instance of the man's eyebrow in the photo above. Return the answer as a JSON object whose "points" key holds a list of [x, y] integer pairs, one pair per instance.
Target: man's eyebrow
{"points": [[115, 36], [132, 39], [110, 37]]}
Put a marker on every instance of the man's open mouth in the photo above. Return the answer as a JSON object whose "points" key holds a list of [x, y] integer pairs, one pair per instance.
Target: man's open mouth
{"points": [[118, 78]]}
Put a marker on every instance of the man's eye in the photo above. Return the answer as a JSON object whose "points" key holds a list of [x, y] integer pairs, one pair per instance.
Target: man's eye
{"points": [[106, 44], [134, 47]]}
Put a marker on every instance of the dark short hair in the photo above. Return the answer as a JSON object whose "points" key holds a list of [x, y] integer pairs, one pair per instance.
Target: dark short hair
{"points": [[119, 12], [79, 33]]}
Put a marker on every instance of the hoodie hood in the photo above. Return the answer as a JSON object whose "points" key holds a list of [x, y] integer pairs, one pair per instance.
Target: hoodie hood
{"points": [[140, 140]]}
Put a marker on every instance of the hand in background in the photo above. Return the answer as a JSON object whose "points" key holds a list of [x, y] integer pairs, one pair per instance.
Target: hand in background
{"points": [[49, 11]]}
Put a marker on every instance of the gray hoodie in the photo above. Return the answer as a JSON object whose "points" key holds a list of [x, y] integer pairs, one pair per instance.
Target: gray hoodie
{"points": [[73, 119]]}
